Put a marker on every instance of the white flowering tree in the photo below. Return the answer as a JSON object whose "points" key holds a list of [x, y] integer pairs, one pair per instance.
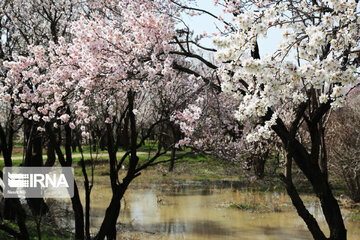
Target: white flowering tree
{"points": [[309, 73]]}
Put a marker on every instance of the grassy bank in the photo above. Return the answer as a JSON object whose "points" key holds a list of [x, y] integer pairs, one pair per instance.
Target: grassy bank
{"points": [[195, 167], [48, 231]]}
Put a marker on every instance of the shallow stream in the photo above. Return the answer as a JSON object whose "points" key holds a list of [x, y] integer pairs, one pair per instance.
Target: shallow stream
{"points": [[194, 211]]}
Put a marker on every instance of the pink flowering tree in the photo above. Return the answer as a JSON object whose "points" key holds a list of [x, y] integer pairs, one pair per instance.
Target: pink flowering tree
{"points": [[122, 54], [24, 23], [212, 128], [209, 126], [119, 54]]}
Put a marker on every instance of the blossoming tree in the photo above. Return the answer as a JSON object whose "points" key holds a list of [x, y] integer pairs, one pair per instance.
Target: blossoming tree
{"points": [[24, 23], [121, 52], [311, 71], [118, 54]]}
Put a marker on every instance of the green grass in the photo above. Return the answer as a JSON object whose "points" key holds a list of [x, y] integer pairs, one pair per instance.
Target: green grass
{"points": [[355, 217], [355, 214], [48, 232], [149, 145], [248, 207]]}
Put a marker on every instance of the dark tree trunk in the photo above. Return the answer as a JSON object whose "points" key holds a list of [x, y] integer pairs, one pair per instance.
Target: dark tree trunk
{"points": [[88, 188], [175, 135], [259, 164], [87, 211], [13, 207], [50, 161], [34, 158], [9, 212], [102, 143], [309, 220], [310, 165], [67, 162], [108, 226], [79, 214], [21, 219], [20, 216], [172, 159]]}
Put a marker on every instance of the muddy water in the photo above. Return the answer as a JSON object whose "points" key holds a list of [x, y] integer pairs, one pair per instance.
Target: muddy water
{"points": [[195, 211]]}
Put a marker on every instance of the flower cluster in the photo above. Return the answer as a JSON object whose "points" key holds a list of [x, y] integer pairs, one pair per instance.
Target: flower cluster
{"points": [[187, 118], [110, 54], [323, 70]]}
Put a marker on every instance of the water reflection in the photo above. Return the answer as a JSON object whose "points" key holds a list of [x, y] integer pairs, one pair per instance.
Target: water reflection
{"points": [[195, 211]]}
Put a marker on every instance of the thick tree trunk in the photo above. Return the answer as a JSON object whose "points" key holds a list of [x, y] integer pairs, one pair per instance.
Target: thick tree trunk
{"points": [[329, 204], [20, 213], [332, 213], [9, 212], [34, 158], [108, 226], [21, 219], [321, 186], [309, 220], [50, 161], [79, 214], [309, 165]]}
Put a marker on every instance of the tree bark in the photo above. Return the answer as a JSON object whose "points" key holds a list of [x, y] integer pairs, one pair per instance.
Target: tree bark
{"points": [[108, 226], [75, 200], [79, 214], [13, 207], [172, 159], [309, 165]]}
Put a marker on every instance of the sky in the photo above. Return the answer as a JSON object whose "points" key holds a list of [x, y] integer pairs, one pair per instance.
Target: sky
{"points": [[209, 24]]}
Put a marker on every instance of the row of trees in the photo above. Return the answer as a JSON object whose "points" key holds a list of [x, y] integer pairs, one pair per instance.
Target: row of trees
{"points": [[116, 73]]}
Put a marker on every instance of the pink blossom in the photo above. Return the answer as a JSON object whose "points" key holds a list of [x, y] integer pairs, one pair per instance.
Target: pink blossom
{"points": [[108, 120], [65, 118]]}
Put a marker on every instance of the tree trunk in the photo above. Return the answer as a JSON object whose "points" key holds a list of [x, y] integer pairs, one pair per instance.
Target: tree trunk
{"points": [[75, 200], [259, 166], [108, 226], [329, 205], [87, 212], [50, 161], [309, 220], [87, 195], [332, 213], [172, 159], [13, 207], [309, 165], [79, 214], [34, 158]]}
